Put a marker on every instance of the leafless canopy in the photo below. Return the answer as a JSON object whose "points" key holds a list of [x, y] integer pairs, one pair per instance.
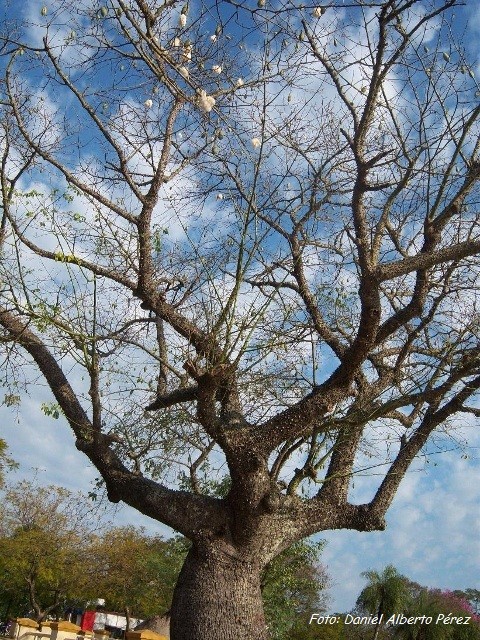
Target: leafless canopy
{"points": [[240, 242]]}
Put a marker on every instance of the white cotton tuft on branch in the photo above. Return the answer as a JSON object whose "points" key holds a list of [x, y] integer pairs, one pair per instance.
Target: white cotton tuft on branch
{"points": [[217, 69], [182, 21], [256, 142], [206, 103], [187, 53], [148, 103]]}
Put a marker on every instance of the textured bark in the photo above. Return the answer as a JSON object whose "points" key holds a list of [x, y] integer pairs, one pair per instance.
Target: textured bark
{"points": [[218, 597]]}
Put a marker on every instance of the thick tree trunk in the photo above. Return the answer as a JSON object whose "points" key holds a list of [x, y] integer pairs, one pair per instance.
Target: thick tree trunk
{"points": [[218, 597]]}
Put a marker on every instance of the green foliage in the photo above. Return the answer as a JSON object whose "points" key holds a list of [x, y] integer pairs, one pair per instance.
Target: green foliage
{"points": [[51, 409], [302, 630], [11, 400], [131, 570], [134, 571], [293, 585], [43, 542], [386, 592], [5, 461]]}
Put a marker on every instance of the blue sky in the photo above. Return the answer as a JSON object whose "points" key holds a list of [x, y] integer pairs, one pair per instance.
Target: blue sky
{"points": [[433, 533]]}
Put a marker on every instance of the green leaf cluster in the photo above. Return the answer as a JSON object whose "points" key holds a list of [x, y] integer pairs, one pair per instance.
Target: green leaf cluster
{"points": [[293, 585], [5, 461]]}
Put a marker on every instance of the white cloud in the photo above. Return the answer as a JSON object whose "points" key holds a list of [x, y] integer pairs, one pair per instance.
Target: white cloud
{"points": [[432, 537]]}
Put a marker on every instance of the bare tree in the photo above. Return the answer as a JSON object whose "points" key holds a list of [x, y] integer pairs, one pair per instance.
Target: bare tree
{"points": [[240, 243]]}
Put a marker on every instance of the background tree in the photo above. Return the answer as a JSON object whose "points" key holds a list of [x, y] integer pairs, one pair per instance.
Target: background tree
{"points": [[242, 238], [135, 573], [433, 603], [44, 537], [293, 585], [385, 594]]}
